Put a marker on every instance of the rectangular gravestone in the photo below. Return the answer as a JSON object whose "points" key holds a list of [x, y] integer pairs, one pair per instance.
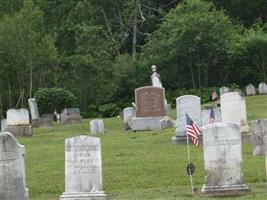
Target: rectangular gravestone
{"points": [[46, 120], [34, 112], [259, 131], [70, 116], [18, 122], [223, 160], [83, 169], [233, 109], [12, 169], [150, 101]]}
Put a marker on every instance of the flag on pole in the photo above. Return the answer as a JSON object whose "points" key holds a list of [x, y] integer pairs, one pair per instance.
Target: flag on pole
{"points": [[192, 130], [212, 116]]}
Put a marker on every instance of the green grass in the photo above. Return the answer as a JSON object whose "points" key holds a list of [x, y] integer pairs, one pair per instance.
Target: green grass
{"points": [[141, 165]]}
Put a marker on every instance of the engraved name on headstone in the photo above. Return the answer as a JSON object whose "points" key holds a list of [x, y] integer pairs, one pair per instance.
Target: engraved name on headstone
{"points": [[12, 169], [150, 101], [189, 104], [83, 169], [222, 160]]}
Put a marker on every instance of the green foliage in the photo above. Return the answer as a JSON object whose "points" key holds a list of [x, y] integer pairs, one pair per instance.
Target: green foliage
{"points": [[51, 99], [109, 110]]}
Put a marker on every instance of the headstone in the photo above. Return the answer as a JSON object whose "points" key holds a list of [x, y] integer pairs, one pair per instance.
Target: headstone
{"points": [[46, 120], [12, 170], [224, 90], [18, 122], [18, 117], [83, 169], [250, 90], [3, 125], [258, 130], [223, 160], [128, 114], [70, 116], [262, 88], [205, 115], [97, 126], [150, 101], [189, 104], [34, 112], [155, 77], [233, 108]]}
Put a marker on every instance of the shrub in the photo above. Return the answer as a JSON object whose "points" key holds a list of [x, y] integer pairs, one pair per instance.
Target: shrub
{"points": [[50, 99], [109, 110]]}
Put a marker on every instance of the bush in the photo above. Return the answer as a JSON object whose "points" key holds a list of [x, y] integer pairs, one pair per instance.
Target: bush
{"points": [[109, 110], [50, 99]]}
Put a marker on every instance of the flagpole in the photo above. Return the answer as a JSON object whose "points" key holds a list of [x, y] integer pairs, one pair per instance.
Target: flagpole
{"points": [[188, 156]]}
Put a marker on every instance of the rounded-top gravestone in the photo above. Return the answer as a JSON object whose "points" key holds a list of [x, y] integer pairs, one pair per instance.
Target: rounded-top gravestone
{"points": [[262, 88], [250, 90], [97, 126]]}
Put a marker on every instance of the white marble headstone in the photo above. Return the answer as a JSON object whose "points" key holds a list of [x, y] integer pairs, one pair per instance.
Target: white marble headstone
{"points": [[222, 160], [83, 169], [18, 117], [205, 116], [33, 109], [233, 108], [12, 169], [189, 104], [262, 88], [250, 90], [97, 126], [258, 130], [224, 90]]}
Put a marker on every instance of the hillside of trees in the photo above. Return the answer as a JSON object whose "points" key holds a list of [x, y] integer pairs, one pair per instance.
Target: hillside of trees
{"points": [[102, 50]]}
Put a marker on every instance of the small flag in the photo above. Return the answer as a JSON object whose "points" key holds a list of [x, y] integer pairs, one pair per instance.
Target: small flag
{"points": [[212, 116], [192, 130]]}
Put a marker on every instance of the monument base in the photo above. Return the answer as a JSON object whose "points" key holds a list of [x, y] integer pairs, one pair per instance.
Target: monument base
{"points": [[21, 130], [229, 190], [150, 123], [83, 196], [183, 140]]}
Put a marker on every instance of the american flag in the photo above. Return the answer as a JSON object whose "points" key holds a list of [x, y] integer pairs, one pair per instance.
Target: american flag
{"points": [[212, 116], [192, 130]]}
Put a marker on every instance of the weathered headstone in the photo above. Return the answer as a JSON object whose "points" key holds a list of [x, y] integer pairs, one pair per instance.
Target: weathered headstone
{"points": [[83, 169], [224, 90], [150, 101], [3, 125], [97, 126], [258, 130], [70, 116], [46, 120], [205, 115], [250, 90], [233, 108], [262, 88], [223, 160], [189, 104], [34, 112], [12, 169], [18, 122], [128, 114]]}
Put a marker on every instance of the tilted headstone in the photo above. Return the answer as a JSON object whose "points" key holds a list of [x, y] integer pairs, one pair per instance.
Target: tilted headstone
{"points": [[33, 109], [12, 169], [250, 90], [128, 114], [224, 90], [3, 125], [205, 115], [189, 104], [258, 130], [150, 101], [18, 117], [262, 88], [223, 160], [83, 169], [18, 122], [233, 108], [97, 126]]}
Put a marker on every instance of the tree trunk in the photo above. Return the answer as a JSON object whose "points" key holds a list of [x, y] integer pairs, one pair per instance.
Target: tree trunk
{"points": [[134, 30]]}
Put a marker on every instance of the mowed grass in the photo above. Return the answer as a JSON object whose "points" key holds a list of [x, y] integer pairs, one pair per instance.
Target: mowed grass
{"points": [[141, 165]]}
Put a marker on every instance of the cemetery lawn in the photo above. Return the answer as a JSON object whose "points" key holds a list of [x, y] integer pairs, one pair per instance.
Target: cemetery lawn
{"points": [[141, 165]]}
